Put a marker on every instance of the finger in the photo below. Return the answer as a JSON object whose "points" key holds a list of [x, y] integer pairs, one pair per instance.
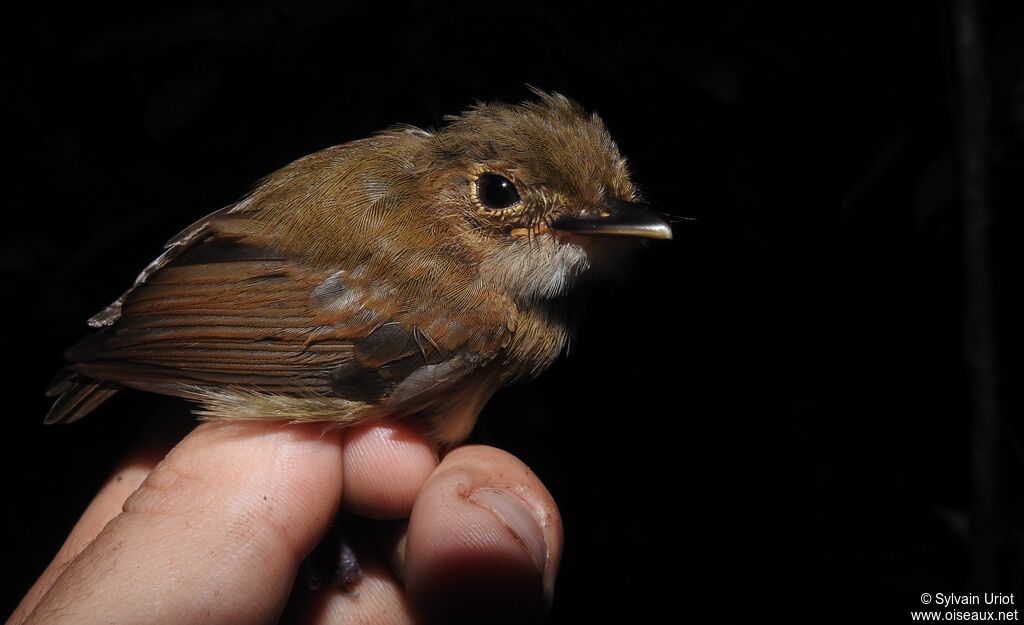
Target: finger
{"points": [[376, 597], [122, 482], [385, 465], [484, 541], [215, 533]]}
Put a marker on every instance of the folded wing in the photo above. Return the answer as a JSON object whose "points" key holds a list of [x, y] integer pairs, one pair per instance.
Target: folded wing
{"points": [[234, 323]]}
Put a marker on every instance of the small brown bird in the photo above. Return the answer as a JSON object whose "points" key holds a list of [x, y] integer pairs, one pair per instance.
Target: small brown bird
{"points": [[410, 273]]}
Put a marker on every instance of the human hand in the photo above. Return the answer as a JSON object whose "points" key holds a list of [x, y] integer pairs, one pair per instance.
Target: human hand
{"points": [[216, 532]]}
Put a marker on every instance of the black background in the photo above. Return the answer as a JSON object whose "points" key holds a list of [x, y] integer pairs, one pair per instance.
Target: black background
{"points": [[771, 418]]}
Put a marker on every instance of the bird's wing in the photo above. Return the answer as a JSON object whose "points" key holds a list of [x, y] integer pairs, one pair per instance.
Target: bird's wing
{"points": [[224, 318]]}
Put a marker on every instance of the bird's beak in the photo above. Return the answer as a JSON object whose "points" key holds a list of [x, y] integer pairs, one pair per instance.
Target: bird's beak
{"points": [[615, 218]]}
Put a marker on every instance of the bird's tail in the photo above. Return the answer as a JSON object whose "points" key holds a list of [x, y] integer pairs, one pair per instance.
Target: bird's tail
{"points": [[76, 396]]}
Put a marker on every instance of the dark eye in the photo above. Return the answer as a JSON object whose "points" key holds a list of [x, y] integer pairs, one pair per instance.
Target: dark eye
{"points": [[496, 192]]}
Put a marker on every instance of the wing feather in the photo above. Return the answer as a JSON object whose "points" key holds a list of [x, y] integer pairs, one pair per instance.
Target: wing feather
{"points": [[222, 316]]}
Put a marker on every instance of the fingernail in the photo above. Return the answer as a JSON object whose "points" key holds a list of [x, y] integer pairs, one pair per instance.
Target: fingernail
{"points": [[525, 522]]}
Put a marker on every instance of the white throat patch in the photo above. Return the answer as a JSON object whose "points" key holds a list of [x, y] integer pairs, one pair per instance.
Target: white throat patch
{"points": [[529, 270]]}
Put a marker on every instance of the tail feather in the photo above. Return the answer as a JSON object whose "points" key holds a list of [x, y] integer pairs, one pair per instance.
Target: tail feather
{"points": [[76, 396]]}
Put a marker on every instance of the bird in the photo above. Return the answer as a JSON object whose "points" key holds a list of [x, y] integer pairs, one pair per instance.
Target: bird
{"points": [[412, 274]]}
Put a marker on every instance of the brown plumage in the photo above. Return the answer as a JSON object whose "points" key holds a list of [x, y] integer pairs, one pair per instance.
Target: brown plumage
{"points": [[410, 273]]}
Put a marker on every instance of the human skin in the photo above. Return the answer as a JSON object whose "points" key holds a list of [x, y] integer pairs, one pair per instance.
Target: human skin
{"points": [[216, 531]]}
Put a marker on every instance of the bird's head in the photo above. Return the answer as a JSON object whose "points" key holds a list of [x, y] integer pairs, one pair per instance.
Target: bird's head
{"points": [[545, 190]]}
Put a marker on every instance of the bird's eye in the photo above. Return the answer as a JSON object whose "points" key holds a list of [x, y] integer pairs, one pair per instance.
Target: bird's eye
{"points": [[496, 192]]}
